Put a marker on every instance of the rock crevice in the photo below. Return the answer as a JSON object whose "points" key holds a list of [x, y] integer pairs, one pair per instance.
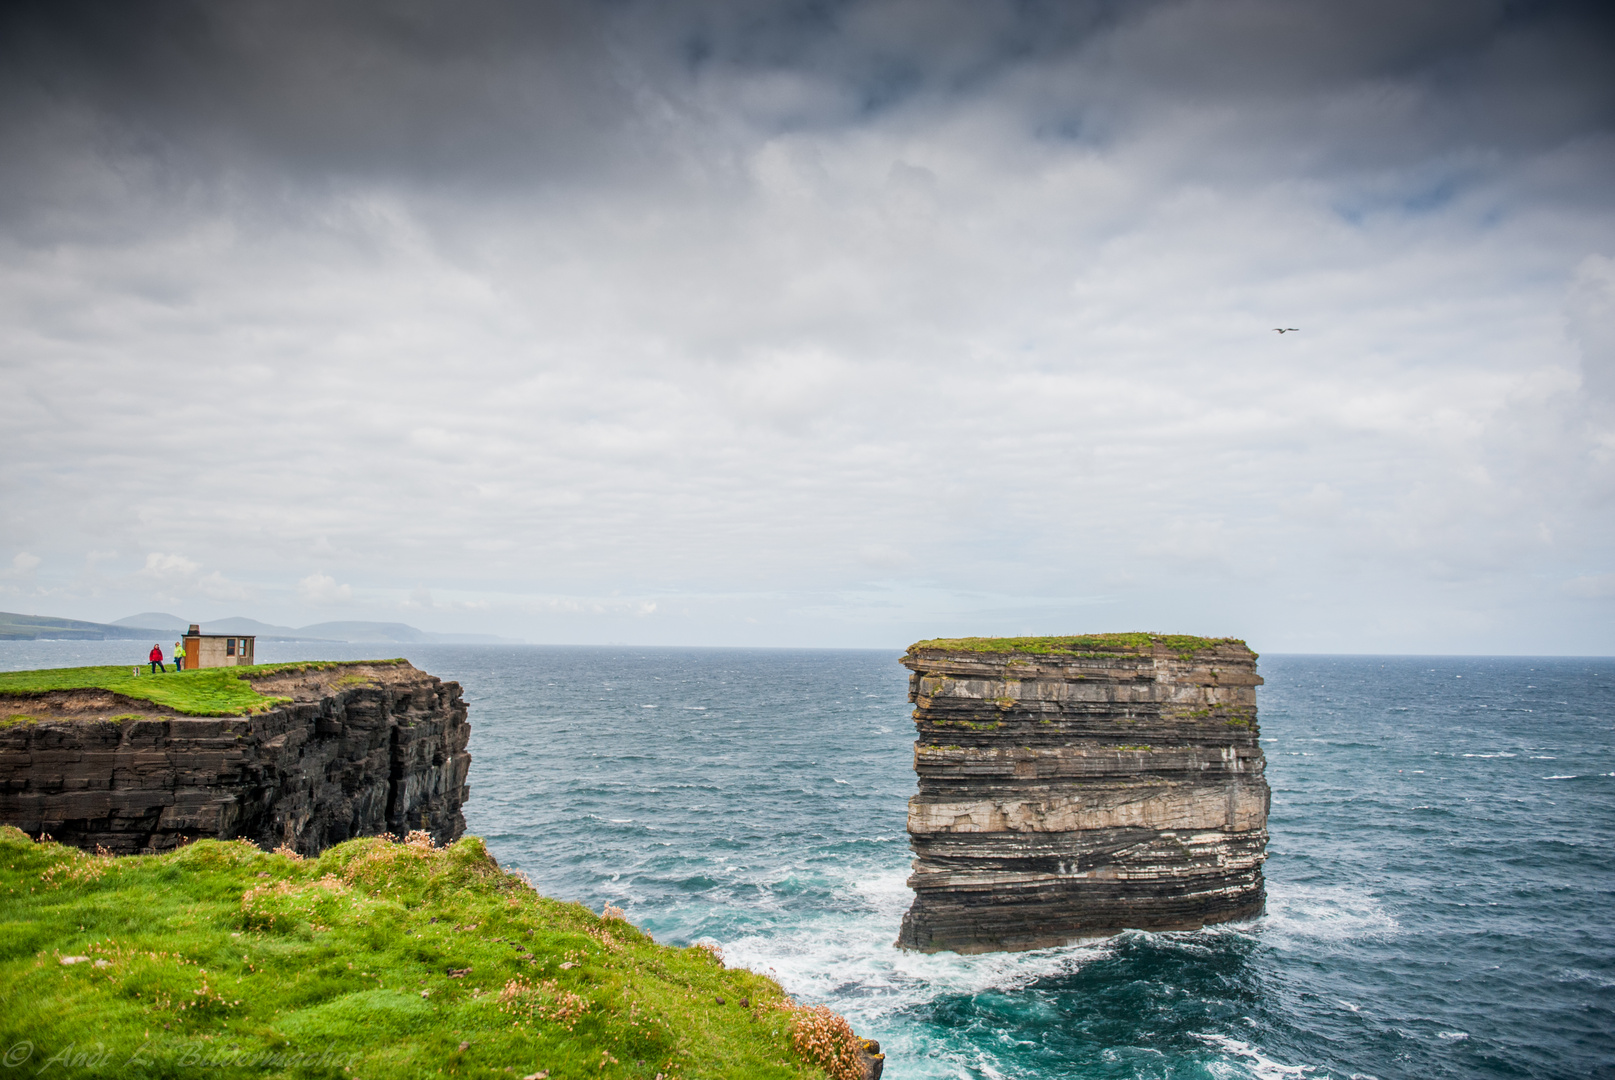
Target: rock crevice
{"points": [[1072, 787], [359, 750]]}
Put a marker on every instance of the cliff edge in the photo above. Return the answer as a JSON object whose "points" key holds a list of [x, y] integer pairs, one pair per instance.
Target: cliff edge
{"points": [[324, 752], [1076, 786]]}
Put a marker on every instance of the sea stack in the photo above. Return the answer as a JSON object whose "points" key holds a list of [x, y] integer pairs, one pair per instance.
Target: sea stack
{"points": [[1072, 787]]}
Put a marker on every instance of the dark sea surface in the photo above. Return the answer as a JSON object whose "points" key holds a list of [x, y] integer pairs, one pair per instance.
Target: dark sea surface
{"points": [[1441, 887]]}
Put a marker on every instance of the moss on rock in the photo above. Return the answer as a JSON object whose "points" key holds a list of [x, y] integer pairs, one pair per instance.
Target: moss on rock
{"points": [[1185, 646]]}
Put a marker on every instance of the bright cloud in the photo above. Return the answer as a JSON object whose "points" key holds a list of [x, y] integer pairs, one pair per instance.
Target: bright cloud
{"points": [[323, 589], [23, 565], [177, 578], [170, 569]]}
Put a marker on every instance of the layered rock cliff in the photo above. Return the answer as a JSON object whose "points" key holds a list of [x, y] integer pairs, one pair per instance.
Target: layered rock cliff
{"points": [[1070, 787], [358, 750]]}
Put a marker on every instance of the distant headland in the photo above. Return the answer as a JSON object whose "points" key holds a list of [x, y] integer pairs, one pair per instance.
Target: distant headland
{"points": [[155, 625]]}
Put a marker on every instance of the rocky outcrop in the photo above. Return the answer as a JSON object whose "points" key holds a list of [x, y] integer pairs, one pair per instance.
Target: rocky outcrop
{"points": [[1072, 787], [871, 1062], [359, 750]]}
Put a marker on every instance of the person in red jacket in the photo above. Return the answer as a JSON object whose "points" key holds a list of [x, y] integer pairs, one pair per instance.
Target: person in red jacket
{"points": [[156, 659]]}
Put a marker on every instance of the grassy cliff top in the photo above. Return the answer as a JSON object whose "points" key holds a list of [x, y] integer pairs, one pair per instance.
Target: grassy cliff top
{"points": [[222, 691], [1185, 645], [377, 959]]}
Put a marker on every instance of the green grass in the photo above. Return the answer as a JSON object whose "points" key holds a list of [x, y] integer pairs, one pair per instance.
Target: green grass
{"points": [[377, 959], [1186, 646], [207, 692]]}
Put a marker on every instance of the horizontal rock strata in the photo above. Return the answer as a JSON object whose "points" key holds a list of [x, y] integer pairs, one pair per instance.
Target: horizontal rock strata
{"points": [[1075, 787], [360, 750]]}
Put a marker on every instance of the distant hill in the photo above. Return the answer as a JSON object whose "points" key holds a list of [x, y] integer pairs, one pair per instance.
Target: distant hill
{"points": [[394, 633], [157, 625], [14, 627], [368, 631], [173, 624], [267, 631], [237, 625], [353, 632], [153, 620]]}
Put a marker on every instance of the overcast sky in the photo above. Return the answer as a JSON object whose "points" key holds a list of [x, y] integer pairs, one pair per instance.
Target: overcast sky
{"points": [[815, 324]]}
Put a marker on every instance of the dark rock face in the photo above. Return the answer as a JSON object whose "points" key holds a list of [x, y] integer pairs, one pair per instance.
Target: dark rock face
{"points": [[871, 1062], [1072, 794], [361, 750]]}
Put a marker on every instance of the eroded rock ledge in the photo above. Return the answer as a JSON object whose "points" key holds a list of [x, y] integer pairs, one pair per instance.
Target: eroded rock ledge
{"points": [[361, 749], [1072, 787]]}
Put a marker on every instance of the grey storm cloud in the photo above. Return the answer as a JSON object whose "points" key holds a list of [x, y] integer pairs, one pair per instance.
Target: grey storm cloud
{"points": [[551, 92], [815, 323]]}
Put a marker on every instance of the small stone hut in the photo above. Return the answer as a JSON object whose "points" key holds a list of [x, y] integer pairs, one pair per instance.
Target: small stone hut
{"points": [[217, 650]]}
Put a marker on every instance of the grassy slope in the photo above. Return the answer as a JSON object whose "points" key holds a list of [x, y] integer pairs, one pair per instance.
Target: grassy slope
{"points": [[1185, 645], [219, 954], [208, 692]]}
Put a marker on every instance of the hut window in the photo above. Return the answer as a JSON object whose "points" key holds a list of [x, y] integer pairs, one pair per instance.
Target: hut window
{"points": [[229, 646]]}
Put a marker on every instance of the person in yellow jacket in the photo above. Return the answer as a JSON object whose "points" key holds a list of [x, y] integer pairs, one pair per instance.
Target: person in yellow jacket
{"points": [[179, 656]]}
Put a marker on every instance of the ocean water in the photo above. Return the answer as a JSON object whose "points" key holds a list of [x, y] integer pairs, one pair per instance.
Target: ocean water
{"points": [[1441, 882]]}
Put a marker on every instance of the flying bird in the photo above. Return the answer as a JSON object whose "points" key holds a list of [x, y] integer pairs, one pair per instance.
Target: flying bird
{"points": [[1285, 329]]}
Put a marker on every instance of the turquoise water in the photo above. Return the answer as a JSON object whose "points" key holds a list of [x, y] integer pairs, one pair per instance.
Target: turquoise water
{"points": [[1440, 882]]}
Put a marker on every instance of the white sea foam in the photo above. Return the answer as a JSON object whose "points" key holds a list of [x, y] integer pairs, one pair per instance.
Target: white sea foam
{"points": [[847, 959], [1299, 913], [1583, 975], [1250, 1061]]}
